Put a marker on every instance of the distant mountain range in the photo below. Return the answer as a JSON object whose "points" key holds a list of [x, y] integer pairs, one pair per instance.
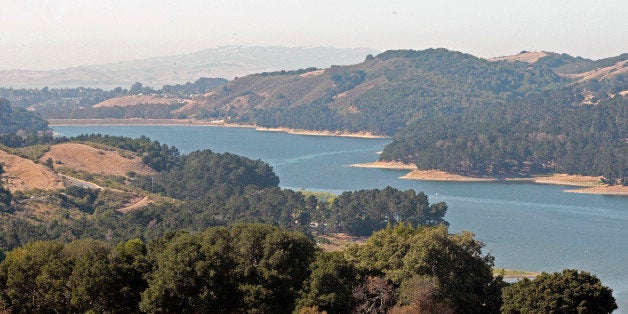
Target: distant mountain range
{"points": [[226, 62]]}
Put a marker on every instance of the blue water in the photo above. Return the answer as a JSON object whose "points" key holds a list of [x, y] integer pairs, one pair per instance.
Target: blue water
{"points": [[525, 226]]}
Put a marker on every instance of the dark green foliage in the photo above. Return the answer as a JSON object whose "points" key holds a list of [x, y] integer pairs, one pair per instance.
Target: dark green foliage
{"points": [[544, 133], [5, 198], [13, 119], [571, 291], [331, 284], [192, 272], [273, 265], [202, 170], [249, 268], [5, 195], [80, 276], [83, 198], [365, 211], [348, 80], [252, 268]]}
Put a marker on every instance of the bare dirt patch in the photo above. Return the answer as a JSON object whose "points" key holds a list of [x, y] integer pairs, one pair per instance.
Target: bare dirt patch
{"points": [[21, 174], [397, 165], [568, 179], [134, 100], [81, 157], [313, 73], [437, 175], [340, 241], [605, 189], [137, 202]]}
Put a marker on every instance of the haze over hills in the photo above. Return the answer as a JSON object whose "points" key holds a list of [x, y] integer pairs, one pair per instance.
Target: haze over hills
{"points": [[225, 61]]}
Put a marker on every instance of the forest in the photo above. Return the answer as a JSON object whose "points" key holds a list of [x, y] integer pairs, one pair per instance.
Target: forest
{"points": [[253, 268], [542, 134]]}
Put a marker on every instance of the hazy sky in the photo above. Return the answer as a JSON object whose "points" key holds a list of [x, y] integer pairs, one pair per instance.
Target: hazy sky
{"points": [[60, 33]]}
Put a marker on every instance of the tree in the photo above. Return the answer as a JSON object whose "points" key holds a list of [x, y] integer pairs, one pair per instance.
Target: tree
{"points": [[374, 295], [571, 291], [455, 261], [331, 283], [192, 272], [272, 265]]}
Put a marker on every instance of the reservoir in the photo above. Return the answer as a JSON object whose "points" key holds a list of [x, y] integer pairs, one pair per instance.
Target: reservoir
{"points": [[525, 226]]}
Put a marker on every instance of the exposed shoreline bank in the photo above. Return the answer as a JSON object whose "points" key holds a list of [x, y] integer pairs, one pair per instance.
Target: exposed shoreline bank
{"points": [[195, 122], [591, 185]]}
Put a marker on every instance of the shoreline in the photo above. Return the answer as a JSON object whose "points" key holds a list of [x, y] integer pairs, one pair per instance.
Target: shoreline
{"points": [[139, 122], [321, 133], [195, 122], [587, 184]]}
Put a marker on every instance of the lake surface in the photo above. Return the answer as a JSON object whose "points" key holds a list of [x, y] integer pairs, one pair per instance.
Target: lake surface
{"points": [[525, 226]]}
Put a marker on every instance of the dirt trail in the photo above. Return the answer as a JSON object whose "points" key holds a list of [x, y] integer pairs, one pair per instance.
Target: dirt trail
{"points": [[140, 203]]}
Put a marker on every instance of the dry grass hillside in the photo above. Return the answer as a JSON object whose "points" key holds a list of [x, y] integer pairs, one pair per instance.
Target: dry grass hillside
{"points": [[81, 157], [529, 57], [134, 100], [609, 72], [21, 174]]}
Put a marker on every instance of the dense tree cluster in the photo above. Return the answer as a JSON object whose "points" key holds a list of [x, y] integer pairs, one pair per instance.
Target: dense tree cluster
{"points": [[571, 291], [363, 212], [247, 268], [13, 119], [253, 268], [542, 134]]}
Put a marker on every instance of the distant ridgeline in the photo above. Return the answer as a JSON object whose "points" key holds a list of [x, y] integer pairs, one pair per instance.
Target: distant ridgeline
{"points": [[509, 116], [80, 103]]}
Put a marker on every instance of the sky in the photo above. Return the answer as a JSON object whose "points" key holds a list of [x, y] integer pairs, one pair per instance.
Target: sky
{"points": [[40, 35]]}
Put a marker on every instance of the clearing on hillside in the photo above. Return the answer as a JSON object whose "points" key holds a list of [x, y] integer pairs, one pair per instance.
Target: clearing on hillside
{"points": [[81, 157], [134, 100], [21, 174], [529, 57]]}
